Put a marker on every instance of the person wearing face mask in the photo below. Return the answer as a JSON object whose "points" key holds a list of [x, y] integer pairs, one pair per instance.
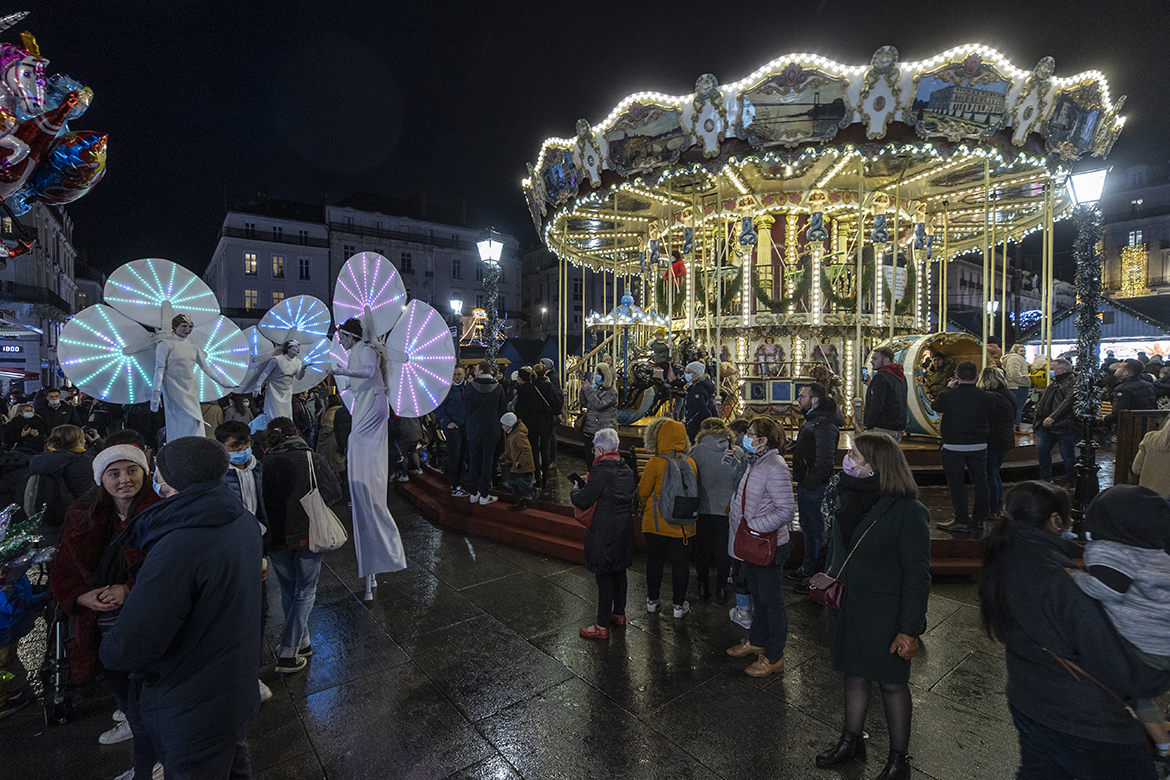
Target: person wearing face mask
{"points": [[883, 532], [452, 418], [281, 370], [1053, 423], [239, 409], [1069, 672], [55, 411], [25, 429], [175, 360], [601, 401], [699, 404]]}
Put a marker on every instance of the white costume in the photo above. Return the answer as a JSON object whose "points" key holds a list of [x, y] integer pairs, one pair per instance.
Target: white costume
{"points": [[280, 373], [175, 362], [379, 547]]}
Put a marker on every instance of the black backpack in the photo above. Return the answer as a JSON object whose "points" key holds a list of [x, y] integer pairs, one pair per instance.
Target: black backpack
{"points": [[48, 491]]}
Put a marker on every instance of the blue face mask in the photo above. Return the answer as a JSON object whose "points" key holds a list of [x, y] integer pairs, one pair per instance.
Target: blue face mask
{"points": [[690, 377], [157, 488], [240, 458], [749, 443]]}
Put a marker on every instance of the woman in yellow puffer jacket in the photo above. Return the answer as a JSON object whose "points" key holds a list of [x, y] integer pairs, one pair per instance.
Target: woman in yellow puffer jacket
{"points": [[664, 540]]}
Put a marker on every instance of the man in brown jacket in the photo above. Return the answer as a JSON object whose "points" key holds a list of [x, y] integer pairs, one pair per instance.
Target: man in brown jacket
{"points": [[519, 466]]}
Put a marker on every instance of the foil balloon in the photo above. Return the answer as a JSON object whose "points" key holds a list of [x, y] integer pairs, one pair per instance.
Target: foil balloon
{"points": [[76, 164], [24, 148]]}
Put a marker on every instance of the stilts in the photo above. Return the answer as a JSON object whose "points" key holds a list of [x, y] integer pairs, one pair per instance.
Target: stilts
{"points": [[371, 583]]}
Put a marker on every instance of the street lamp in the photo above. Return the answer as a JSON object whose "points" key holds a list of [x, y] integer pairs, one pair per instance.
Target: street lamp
{"points": [[456, 324], [1085, 190], [490, 250]]}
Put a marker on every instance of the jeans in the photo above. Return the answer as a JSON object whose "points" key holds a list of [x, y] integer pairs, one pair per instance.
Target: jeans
{"points": [[770, 619], [994, 479], [711, 548], [1021, 396], [812, 524], [1047, 754], [297, 570], [479, 465], [522, 486], [611, 595], [975, 464], [659, 549], [1045, 441], [456, 452]]}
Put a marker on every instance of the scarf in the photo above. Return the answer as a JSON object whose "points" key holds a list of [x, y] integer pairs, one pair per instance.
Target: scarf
{"points": [[857, 496]]}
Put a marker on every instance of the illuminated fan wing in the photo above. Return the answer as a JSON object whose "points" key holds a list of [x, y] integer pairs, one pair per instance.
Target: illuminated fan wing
{"points": [[306, 316], [257, 345], [369, 280], [339, 358], [317, 358], [422, 359], [227, 352], [90, 353], [139, 289]]}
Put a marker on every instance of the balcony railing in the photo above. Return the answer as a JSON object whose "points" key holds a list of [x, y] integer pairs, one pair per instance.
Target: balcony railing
{"points": [[282, 238], [26, 293], [453, 242]]}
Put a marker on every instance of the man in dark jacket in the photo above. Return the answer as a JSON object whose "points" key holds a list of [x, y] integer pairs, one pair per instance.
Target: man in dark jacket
{"points": [[452, 417], [1133, 392], [813, 460], [56, 412], [885, 398], [699, 403], [485, 407], [966, 426], [1053, 422], [187, 631]]}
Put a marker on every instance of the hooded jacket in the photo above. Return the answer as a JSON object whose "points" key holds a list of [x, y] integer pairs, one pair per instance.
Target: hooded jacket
{"points": [[518, 451], [815, 451], [600, 402], [717, 480], [663, 437], [286, 482], [74, 468], [885, 399], [485, 407], [188, 628], [699, 404], [1133, 393]]}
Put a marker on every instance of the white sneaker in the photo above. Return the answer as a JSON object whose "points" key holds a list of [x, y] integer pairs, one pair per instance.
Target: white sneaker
{"points": [[127, 775], [157, 773], [404, 478], [265, 692], [416, 471], [488, 500], [682, 609], [475, 498], [119, 716], [651, 605], [119, 733], [458, 493]]}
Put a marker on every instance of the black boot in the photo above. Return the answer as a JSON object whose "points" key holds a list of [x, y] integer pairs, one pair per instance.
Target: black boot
{"points": [[897, 767], [704, 590], [850, 747]]}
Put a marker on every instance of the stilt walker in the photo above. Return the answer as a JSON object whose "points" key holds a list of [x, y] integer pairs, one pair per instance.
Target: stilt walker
{"points": [[175, 359]]}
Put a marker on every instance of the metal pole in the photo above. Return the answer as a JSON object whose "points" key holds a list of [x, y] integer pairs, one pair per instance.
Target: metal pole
{"points": [[860, 354], [988, 278]]}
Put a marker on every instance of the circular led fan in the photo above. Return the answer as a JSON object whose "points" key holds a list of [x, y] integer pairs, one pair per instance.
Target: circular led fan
{"points": [[306, 317], [152, 291], [339, 358], [227, 353], [369, 280], [257, 344], [90, 353], [422, 359], [316, 357]]}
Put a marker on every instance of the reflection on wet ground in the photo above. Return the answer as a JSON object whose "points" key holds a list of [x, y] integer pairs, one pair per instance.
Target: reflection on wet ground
{"points": [[468, 665]]}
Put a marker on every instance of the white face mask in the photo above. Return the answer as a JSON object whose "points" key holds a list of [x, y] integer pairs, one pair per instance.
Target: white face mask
{"points": [[55, 403], [27, 415]]}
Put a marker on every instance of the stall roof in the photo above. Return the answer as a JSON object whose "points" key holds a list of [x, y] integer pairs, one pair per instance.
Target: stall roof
{"points": [[1121, 321]]}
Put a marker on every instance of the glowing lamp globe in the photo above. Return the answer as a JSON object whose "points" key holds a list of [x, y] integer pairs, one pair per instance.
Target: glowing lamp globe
{"points": [[1086, 188], [491, 248]]}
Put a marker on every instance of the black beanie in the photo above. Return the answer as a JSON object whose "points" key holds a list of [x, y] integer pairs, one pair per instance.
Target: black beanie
{"points": [[1132, 515], [190, 460]]}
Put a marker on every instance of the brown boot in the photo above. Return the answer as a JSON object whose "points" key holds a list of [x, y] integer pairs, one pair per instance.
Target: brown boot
{"points": [[744, 648], [763, 667]]}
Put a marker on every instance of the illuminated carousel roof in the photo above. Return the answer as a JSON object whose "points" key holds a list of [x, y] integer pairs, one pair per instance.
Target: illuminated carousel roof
{"points": [[965, 138], [626, 313]]}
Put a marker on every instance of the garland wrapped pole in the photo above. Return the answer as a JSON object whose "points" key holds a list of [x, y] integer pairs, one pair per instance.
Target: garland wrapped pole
{"points": [[1087, 391]]}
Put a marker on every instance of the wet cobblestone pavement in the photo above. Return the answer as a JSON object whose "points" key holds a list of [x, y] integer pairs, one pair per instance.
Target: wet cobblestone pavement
{"points": [[468, 665]]}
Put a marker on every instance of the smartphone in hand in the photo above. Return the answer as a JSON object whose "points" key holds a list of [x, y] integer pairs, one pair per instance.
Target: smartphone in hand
{"points": [[574, 478]]}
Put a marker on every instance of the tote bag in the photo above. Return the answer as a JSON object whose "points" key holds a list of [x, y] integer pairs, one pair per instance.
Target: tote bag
{"points": [[326, 532]]}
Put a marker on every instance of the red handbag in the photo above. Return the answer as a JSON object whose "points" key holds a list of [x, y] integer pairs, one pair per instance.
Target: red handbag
{"points": [[753, 546], [828, 591], [584, 516]]}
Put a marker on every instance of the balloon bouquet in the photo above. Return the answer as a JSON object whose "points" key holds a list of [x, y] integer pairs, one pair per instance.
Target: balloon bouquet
{"points": [[385, 352], [41, 160]]}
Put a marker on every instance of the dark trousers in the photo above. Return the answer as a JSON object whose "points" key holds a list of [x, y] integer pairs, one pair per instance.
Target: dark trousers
{"points": [[1047, 754], [479, 465], [539, 441], [770, 617], [456, 452], [812, 525], [660, 549], [229, 761], [738, 581], [975, 464], [994, 479], [1045, 441], [119, 684], [711, 548], [611, 595]]}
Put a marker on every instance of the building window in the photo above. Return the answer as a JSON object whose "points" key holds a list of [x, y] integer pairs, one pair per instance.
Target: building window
{"points": [[278, 266], [578, 290], [408, 295], [349, 250], [251, 299], [250, 229], [277, 233], [478, 271], [1135, 237], [249, 263], [306, 268], [378, 225], [576, 319], [304, 236], [479, 300], [1137, 176], [82, 300], [277, 297], [407, 263], [456, 268]]}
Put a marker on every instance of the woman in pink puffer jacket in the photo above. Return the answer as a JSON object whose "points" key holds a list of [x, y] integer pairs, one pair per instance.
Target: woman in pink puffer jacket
{"points": [[764, 498]]}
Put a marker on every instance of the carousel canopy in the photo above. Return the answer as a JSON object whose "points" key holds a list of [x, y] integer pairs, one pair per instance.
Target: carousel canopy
{"points": [[626, 313]]}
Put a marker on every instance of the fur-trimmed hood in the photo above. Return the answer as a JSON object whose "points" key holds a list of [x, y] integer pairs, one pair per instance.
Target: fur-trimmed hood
{"points": [[664, 435], [606, 371]]}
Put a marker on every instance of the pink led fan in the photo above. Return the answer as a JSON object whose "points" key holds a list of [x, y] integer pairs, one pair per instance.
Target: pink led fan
{"points": [[422, 359], [339, 359], [369, 282]]}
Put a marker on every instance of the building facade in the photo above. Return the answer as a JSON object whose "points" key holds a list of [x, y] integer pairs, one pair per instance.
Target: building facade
{"points": [[1136, 232], [588, 291]]}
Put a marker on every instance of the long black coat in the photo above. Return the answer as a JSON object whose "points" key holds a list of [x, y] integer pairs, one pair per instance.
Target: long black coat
{"points": [[887, 584], [609, 542], [1002, 434]]}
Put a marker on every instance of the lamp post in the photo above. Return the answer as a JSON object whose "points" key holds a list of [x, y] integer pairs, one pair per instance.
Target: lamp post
{"points": [[543, 319], [490, 250], [1085, 190], [456, 325]]}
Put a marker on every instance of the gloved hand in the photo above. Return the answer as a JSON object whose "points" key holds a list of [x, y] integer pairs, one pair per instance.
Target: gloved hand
{"points": [[155, 401], [905, 646]]}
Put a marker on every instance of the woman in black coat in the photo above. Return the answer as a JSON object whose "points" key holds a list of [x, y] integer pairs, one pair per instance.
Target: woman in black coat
{"points": [[882, 532], [1002, 433], [534, 408], [26, 429], [609, 540]]}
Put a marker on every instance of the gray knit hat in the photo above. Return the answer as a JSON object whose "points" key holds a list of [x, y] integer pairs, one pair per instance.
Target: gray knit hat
{"points": [[190, 460]]}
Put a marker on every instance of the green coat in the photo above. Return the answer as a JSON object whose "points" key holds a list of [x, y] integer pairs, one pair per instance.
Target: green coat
{"points": [[887, 584]]}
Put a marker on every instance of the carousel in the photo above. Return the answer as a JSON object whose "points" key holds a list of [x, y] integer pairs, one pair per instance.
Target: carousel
{"points": [[785, 225]]}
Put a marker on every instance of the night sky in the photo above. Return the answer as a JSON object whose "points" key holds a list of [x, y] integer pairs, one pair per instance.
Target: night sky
{"points": [[207, 102]]}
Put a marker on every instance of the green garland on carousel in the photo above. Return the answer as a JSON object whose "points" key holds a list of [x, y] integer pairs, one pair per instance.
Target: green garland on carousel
{"points": [[729, 292], [901, 306]]}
